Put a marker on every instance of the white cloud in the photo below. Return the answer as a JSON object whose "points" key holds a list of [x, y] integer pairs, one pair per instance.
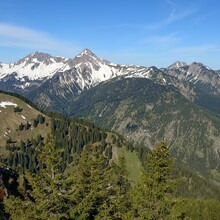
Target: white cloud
{"points": [[23, 37]]}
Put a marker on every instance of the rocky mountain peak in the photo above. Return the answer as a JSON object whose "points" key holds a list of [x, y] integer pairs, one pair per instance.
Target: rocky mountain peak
{"points": [[177, 65], [85, 54], [86, 57], [34, 57], [38, 57]]}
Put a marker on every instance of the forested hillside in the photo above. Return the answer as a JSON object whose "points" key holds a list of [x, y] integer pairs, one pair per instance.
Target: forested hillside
{"points": [[145, 112], [75, 170]]}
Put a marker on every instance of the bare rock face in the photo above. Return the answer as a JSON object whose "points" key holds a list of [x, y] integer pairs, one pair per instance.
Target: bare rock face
{"points": [[203, 77]]}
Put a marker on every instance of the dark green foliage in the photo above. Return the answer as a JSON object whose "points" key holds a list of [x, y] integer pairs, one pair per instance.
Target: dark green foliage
{"points": [[73, 134], [90, 184], [92, 187], [35, 123], [21, 127], [27, 125], [17, 109], [46, 198], [39, 120], [117, 200], [152, 197], [99, 190], [23, 155], [70, 134]]}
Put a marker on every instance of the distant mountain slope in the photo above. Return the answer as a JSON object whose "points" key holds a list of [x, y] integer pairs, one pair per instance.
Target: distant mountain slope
{"points": [[200, 75], [205, 81], [146, 112]]}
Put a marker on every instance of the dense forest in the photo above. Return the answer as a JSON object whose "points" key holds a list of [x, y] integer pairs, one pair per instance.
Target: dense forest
{"points": [[99, 190], [73, 174]]}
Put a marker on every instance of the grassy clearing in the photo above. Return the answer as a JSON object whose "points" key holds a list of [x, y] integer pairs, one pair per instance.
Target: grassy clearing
{"points": [[10, 120], [133, 164]]}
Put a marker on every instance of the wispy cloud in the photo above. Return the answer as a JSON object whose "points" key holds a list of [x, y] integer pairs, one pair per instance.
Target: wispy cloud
{"points": [[171, 3], [23, 37], [169, 39], [174, 16]]}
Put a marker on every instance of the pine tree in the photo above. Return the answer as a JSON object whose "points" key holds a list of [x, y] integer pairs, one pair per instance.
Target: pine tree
{"points": [[48, 197], [90, 184], [117, 200], [152, 197]]}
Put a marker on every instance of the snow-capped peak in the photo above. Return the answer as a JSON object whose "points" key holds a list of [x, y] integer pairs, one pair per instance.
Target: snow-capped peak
{"points": [[35, 66], [87, 52], [85, 55], [177, 65]]}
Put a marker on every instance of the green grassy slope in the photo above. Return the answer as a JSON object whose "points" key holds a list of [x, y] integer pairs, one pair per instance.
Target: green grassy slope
{"points": [[10, 121]]}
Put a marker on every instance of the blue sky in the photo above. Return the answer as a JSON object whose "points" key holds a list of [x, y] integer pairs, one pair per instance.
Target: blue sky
{"points": [[142, 32]]}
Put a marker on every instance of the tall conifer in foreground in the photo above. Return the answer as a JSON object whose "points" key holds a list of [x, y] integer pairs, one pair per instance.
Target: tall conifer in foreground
{"points": [[47, 197], [152, 197], [90, 184], [117, 200]]}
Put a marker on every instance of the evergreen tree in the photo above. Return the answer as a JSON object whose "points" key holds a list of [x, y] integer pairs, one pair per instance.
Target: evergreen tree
{"points": [[117, 201], [90, 184], [48, 197], [152, 197]]}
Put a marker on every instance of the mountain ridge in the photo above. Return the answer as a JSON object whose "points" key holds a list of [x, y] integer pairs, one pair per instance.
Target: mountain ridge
{"points": [[66, 78], [145, 112]]}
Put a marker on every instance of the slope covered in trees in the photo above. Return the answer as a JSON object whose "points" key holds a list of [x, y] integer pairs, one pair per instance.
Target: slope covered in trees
{"points": [[97, 190], [145, 112], [78, 173]]}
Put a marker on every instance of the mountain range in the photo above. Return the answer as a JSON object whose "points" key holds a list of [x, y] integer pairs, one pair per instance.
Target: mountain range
{"points": [[145, 104], [52, 81]]}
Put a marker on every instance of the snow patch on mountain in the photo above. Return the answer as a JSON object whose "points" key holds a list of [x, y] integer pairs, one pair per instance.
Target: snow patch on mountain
{"points": [[41, 71], [4, 104], [35, 66], [177, 65], [23, 117]]}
